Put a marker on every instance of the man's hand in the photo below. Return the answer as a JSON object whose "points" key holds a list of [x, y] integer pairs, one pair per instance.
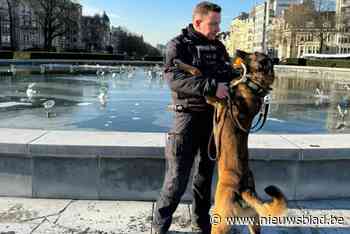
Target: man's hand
{"points": [[222, 90]]}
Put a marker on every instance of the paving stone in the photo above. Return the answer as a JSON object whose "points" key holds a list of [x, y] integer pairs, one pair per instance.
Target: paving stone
{"points": [[181, 219], [108, 216]]}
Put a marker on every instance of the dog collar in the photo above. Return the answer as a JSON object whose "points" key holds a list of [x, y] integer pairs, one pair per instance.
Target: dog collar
{"points": [[257, 88]]}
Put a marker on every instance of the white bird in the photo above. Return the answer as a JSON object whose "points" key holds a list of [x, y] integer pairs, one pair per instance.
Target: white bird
{"points": [[320, 94], [130, 75], [30, 91], [340, 125], [100, 73], [31, 85], [48, 105], [347, 87], [103, 98], [342, 112]]}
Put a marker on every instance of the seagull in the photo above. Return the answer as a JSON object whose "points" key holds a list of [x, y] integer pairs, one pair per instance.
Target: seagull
{"points": [[103, 96], [342, 112], [320, 94], [130, 75], [30, 91], [48, 105], [100, 73]]}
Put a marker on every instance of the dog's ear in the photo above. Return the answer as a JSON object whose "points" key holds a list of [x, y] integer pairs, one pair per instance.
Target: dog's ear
{"points": [[241, 57], [265, 63], [242, 54]]}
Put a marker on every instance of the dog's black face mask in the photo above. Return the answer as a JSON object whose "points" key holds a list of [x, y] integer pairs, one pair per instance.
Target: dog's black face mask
{"points": [[247, 94], [259, 67]]}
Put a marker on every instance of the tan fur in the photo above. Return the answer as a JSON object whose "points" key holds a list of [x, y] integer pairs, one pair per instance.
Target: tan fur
{"points": [[276, 208], [188, 68], [234, 175]]}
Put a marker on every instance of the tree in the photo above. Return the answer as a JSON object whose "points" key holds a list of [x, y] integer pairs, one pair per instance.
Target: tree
{"points": [[132, 44], [54, 17], [324, 21], [1, 33], [314, 16], [297, 15], [13, 21]]}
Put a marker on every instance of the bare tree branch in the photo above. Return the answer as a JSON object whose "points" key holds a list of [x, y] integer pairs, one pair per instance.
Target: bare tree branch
{"points": [[55, 18]]}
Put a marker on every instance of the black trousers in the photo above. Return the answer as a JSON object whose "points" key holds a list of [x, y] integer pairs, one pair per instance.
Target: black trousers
{"points": [[186, 147]]}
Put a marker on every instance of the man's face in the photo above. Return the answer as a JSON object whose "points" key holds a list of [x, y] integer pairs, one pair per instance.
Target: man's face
{"points": [[208, 25]]}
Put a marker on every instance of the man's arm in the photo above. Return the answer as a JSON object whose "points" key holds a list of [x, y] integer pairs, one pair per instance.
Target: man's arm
{"points": [[221, 89], [180, 81]]}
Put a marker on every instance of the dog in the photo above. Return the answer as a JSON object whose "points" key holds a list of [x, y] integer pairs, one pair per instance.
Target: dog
{"points": [[235, 194]]}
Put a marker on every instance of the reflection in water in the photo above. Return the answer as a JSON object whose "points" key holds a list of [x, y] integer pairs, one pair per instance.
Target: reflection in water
{"points": [[311, 103], [129, 99]]}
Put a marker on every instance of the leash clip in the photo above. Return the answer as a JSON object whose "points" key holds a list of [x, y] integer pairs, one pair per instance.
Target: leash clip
{"points": [[267, 99]]}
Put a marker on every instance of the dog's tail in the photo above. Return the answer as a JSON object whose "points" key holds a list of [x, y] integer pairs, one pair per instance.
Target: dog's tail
{"points": [[275, 208]]}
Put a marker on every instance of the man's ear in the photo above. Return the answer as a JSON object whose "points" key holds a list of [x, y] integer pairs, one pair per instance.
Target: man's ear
{"points": [[197, 22]]}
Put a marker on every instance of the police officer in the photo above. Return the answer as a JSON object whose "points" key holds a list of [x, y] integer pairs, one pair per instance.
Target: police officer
{"points": [[187, 142]]}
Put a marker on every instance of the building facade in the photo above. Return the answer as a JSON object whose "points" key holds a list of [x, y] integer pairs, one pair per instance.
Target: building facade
{"points": [[96, 33], [259, 27], [343, 26], [26, 29], [241, 34], [265, 29], [278, 6], [295, 42], [28, 32], [72, 37]]}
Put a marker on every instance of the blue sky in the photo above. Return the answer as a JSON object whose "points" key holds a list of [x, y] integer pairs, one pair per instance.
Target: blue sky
{"points": [[159, 20]]}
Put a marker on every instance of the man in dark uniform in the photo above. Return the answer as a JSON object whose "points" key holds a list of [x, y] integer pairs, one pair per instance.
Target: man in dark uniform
{"points": [[188, 140]]}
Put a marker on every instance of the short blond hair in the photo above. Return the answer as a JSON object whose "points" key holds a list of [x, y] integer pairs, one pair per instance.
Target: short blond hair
{"points": [[203, 8]]}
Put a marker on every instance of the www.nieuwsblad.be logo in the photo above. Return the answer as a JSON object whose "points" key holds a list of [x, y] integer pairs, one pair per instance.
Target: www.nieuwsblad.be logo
{"points": [[216, 219]]}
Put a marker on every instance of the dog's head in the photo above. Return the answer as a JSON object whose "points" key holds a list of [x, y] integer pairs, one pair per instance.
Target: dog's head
{"points": [[248, 90], [259, 67]]}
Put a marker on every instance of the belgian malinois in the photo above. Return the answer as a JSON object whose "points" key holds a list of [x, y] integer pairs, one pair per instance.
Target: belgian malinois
{"points": [[235, 190]]}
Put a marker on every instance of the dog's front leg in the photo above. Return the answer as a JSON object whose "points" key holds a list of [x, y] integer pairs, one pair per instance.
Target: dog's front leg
{"points": [[222, 210], [255, 227], [225, 207]]}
